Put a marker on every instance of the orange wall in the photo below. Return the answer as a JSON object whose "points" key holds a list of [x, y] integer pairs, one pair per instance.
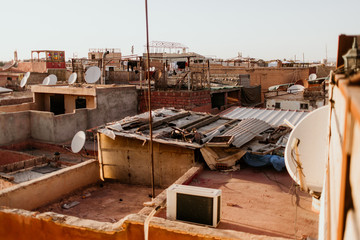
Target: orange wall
{"points": [[19, 225]]}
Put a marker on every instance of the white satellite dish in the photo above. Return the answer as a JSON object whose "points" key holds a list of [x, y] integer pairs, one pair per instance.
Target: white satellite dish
{"points": [[46, 81], [312, 131], [295, 88], [78, 142], [27, 75], [92, 75], [312, 77], [53, 79], [72, 78], [23, 81]]}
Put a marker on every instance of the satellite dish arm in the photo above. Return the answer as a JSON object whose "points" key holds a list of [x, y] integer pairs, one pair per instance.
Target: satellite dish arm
{"points": [[298, 164]]}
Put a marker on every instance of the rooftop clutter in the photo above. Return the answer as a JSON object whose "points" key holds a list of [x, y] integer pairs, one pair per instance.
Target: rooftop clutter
{"points": [[222, 141]]}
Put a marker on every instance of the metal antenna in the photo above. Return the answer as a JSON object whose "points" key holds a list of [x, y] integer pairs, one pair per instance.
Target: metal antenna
{"points": [[149, 97]]}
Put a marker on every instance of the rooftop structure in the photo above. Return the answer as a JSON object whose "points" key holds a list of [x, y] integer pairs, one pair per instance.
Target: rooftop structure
{"points": [[58, 112], [163, 47]]}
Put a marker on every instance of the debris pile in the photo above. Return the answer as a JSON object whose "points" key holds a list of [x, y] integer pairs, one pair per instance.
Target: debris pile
{"points": [[222, 141]]}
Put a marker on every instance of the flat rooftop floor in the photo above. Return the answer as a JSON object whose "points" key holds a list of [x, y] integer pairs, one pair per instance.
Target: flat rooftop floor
{"points": [[261, 201], [66, 156], [104, 202], [30, 150]]}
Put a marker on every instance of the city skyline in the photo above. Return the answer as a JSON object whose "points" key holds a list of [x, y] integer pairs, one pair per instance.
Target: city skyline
{"points": [[263, 29]]}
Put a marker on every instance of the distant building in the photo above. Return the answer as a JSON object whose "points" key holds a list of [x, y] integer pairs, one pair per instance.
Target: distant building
{"points": [[113, 58], [307, 100]]}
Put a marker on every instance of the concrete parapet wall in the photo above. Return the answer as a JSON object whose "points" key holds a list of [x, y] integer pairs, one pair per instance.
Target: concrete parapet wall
{"points": [[17, 107], [35, 193], [113, 104], [14, 127], [20, 224], [72, 122], [42, 125], [6, 102]]}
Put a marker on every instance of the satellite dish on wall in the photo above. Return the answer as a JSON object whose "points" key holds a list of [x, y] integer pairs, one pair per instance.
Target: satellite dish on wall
{"points": [[78, 142], [312, 132], [72, 78], [312, 77], [92, 75], [27, 75], [23, 81], [53, 79], [295, 88], [46, 81]]}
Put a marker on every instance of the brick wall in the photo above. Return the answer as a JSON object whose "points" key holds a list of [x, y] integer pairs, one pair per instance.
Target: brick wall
{"points": [[189, 100]]}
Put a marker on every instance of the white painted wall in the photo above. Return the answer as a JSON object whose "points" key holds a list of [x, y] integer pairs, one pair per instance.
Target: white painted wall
{"points": [[338, 125], [292, 104]]}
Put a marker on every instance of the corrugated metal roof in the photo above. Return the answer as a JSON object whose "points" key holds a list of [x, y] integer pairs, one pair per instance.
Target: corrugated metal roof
{"points": [[246, 130], [168, 120], [272, 116]]}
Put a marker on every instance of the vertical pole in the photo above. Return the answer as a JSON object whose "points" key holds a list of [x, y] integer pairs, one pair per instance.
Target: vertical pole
{"points": [[188, 70], [208, 73], [326, 53], [73, 64], [149, 97], [102, 80], [165, 74], [303, 60], [140, 73]]}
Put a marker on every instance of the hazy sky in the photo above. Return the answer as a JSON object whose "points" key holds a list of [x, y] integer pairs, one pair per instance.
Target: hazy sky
{"points": [[265, 29]]}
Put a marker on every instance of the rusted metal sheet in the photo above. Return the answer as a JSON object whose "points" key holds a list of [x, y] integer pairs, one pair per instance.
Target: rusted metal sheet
{"points": [[246, 130]]}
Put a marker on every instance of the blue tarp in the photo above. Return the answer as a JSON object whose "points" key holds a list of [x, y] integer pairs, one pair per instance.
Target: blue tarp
{"points": [[265, 160]]}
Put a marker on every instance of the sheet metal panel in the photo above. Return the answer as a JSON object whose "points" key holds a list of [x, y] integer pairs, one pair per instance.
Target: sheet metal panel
{"points": [[246, 130], [274, 117]]}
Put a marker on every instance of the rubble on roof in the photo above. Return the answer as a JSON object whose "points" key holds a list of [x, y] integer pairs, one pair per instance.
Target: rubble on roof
{"points": [[221, 140]]}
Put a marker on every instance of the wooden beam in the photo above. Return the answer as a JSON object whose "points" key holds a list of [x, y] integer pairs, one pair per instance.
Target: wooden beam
{"points": [[164, 120], [195, 122], [203, 123]]}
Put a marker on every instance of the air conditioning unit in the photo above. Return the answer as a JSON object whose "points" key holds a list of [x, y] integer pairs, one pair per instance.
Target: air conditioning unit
{"points": [[194, 204]]}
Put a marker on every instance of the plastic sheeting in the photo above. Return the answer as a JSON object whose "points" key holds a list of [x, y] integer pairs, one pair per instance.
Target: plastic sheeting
{"points": [[264, 160], [250, 96]]}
